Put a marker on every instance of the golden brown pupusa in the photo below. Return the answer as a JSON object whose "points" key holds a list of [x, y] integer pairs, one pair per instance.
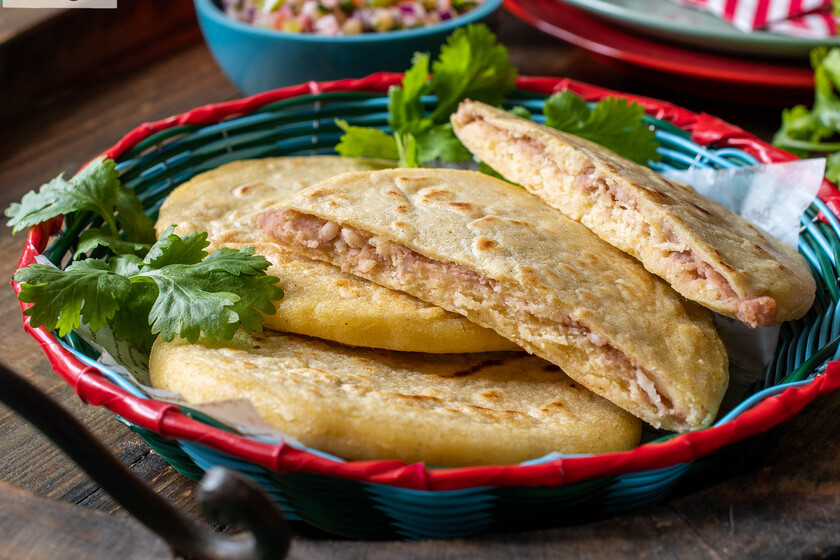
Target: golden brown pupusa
{"points": [[449, 410], [319, 299]]}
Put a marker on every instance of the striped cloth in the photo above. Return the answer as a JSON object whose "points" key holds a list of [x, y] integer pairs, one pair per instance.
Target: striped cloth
{"points": [[802, 18]]}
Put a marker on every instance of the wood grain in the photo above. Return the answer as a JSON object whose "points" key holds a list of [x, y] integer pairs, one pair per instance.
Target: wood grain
{"points": [[40, 54], [38, 528], [784, 501]]}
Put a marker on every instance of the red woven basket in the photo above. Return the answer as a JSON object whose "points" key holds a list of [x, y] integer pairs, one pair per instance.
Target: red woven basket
{"points": [[169, 422]]}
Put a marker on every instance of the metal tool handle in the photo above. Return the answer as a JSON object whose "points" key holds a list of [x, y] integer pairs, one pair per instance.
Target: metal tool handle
{"points": [[224, 495]]}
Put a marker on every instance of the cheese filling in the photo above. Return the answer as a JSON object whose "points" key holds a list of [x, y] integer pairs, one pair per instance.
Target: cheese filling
{"points": [[464, 291]]}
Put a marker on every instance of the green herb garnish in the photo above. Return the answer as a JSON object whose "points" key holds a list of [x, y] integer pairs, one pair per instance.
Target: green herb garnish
{"points": [[472, 64], [816, 132], [174, 290], [147, 288], [97, 189], [613, 123]]}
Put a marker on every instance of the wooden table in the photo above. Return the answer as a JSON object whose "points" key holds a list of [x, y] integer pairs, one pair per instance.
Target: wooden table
{"points": [[785, 503]]}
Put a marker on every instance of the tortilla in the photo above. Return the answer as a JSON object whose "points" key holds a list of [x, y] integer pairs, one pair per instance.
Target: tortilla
{"points": [[452, 410], [706, 252], [486, 249], [319, 299]]}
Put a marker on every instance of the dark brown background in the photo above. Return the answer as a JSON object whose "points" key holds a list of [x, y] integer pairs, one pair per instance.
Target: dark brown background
{"points": [[70, 87]]}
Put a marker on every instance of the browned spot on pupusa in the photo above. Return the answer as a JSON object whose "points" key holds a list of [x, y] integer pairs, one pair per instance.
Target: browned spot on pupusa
{"points": [[753, 229], [564, 270], [485, 244], [316, 193], [490, 413], [249, 189], [590, 258], [522, 224], [402, 209], [417, 398], [758, 249], [491, 395], [412, 182], [553, 405], [587, 296], [431, 194], [701, 209], [400, 225], [653, 194], [485, 222], [464, 207]]}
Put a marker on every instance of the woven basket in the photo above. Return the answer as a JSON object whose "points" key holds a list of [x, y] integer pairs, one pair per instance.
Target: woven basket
{"points": [[391, 499]]}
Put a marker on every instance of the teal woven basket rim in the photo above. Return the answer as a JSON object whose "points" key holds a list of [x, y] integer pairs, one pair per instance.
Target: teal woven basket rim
{"points": [[252, 134]]}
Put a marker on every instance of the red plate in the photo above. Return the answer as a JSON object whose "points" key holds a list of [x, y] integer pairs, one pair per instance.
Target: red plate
{"points": [[601, 38]]}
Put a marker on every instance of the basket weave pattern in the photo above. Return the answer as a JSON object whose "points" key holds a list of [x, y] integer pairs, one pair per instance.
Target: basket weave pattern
{"points": [[386, 499]]}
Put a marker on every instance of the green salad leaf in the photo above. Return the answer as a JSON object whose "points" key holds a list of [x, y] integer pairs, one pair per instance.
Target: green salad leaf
{"points": [[173, 291]]}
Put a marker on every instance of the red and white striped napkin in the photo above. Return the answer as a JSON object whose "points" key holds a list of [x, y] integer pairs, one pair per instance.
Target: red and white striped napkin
{"points": [[801, 18]]}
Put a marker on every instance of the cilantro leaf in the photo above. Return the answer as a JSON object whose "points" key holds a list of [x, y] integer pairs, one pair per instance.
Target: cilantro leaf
{"points": [[832, 167], [520, 111], [186, 305], [136, 225], [92, 238], [407, 147], [96, 188], [566, 111], [86, 291], [613, 123], [360, 141], [440, 143], [194, 297], [171, 249], [472, 64], [173, 291], [816, 132], [36, 207], [131, 322], [826, 81], [405, 103]]}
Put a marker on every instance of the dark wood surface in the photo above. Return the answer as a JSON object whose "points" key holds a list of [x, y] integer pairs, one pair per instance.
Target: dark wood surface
{"points": [[784, 501], [35, 527]]}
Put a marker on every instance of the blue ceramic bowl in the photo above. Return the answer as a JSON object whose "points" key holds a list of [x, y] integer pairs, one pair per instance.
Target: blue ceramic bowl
{"points": [[258, 59]]}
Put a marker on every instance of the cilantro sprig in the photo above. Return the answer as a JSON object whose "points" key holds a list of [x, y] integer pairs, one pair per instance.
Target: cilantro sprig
{"points": [[472, 64], [816, 131], [147, 288], [97, 189], [174, 290]]}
